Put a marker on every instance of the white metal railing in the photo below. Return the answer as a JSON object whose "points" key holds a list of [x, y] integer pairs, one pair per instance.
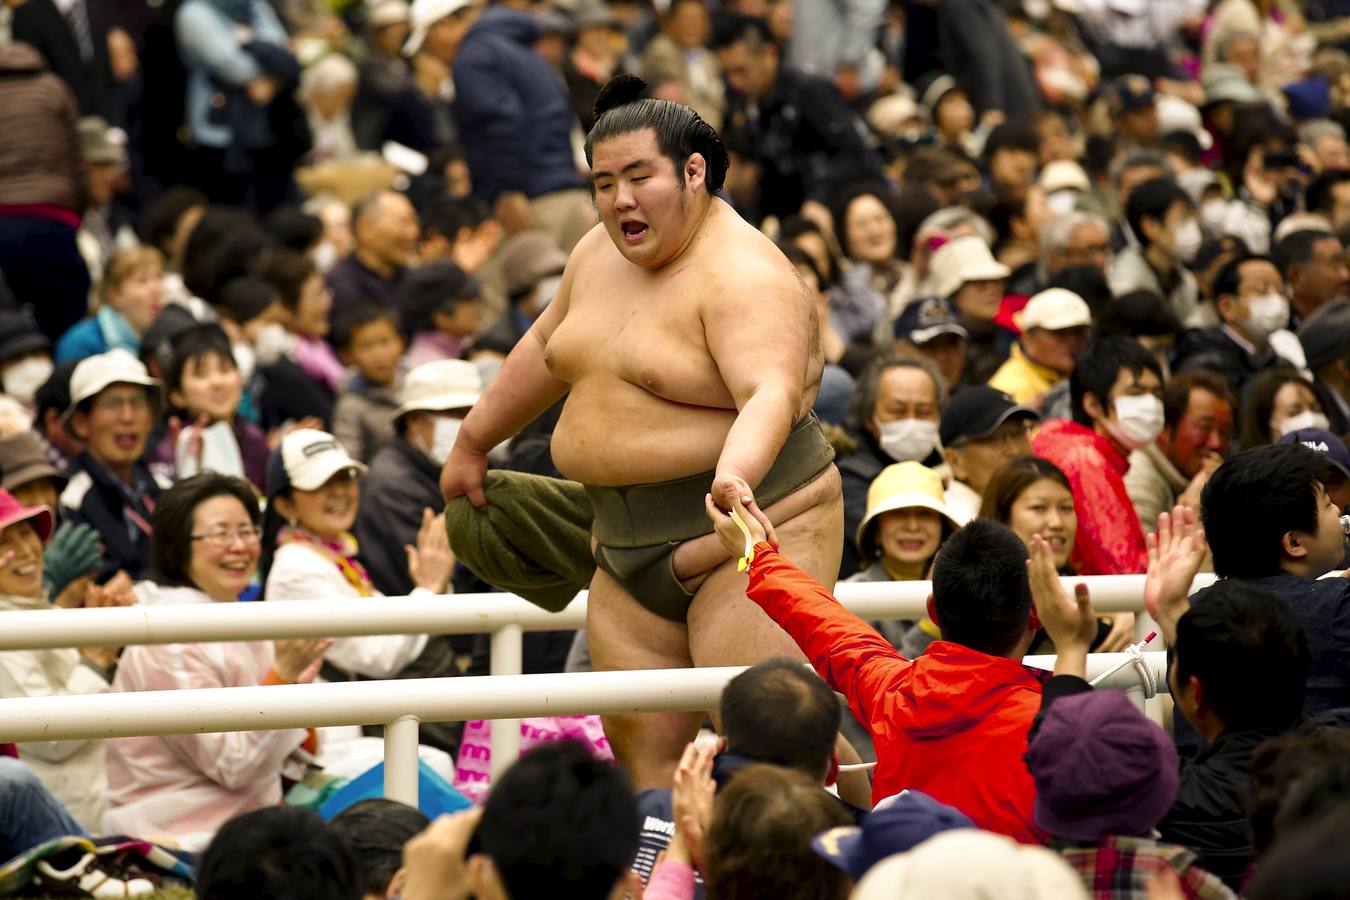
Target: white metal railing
{"points": [[504, 616], [400, 705]]}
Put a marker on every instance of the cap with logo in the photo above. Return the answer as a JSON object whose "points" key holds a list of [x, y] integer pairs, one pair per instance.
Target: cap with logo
{"points": [[976, 412], [1319, 440], [306, 460], [927, 319]]}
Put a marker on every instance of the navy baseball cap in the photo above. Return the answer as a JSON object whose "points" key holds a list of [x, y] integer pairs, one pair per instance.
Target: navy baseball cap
{"points": [[1324, 442], [1128, 93], [928, 318], [898, 824]]}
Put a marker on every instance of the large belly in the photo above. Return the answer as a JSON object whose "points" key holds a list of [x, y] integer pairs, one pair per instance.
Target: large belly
{"points": [[612, 432]]}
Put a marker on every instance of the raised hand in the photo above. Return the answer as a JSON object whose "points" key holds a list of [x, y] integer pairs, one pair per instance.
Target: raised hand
{"points": [[1071, 624], [299, 660], [431, 562], [434, 860], [1175, 553], [692, 799]]}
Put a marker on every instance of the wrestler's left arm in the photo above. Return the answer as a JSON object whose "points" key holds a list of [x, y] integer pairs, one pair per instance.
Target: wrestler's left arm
{"points": [[760, 329]]}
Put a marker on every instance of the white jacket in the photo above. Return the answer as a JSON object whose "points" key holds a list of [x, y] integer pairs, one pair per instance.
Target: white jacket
{"points": [[188, 785], [301, 572], [72, 770]]}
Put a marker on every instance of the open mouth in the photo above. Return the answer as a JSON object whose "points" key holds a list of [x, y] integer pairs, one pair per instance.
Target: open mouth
{"points": [[911, 546], [237, 568], [634, 231], [1057, 543], [126, 441], [23, 570], [337, 507]]}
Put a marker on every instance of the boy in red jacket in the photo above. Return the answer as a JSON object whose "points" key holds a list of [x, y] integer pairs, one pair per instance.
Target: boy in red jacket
{"points": [[954, 722]]}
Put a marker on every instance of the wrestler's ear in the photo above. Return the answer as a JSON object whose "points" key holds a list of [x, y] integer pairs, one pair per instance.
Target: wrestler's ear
{"points": [[695, 171], [932, 612]]}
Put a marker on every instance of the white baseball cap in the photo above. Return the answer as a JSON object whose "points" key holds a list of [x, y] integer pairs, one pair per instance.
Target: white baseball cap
{"points": [[439, 385], [962, 260], [1063, 175], [96, 373], [383, 13], [310, 458], [423, 15], [1054, 309]]}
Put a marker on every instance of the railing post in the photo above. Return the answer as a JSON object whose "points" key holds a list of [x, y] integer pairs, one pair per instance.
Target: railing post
{"points": [[507, 659], [400, 760]]}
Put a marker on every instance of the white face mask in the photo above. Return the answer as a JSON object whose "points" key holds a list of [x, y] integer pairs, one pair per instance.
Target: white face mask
{"points": [[1212, 215], [325, 255], [1186, 239], [1305, 419], [23, 378], [1139, 421], [908, 439], [544, 291], [443, 436], [273, 342], [245, 360], [1062, 202], [1268, 314]]}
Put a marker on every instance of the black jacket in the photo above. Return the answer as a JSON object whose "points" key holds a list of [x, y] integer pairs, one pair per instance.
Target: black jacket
{"points": [[808, 143], [1209, 814], [41, 24], [402, 481], [121, 514], [1211, 349]]}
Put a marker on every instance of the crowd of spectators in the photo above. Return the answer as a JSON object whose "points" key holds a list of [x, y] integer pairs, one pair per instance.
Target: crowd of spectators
{"points": [[1083, 292]]}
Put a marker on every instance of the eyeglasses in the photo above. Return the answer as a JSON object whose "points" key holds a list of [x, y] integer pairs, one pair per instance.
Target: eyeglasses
{"points": [[115, 404], [221, 538]]}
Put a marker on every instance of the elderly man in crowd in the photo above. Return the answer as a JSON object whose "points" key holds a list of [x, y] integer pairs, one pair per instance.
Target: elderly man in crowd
{"points": [[387, 232]]}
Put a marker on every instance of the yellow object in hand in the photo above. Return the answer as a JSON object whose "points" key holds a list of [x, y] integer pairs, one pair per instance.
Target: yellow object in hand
{"points": [[744, 562]]}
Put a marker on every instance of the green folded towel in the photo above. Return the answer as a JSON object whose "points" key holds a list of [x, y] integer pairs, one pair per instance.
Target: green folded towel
{"points": [[534, 538]]}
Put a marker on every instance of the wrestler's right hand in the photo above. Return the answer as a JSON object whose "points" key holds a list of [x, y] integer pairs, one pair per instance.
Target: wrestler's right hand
{"points": [[462, 475]]}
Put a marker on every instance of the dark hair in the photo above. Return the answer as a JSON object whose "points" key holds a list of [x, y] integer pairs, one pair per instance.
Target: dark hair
{"points": [[796, 255], [680, 132], [159, 225], [279, 852], [1152, 200], [912, 205], [1260, 403], [738, 28], [450, 215], [171, 525], [1177, 394], [1087, 282], [216, 224], [246, 298], [359, 315], [759, 843], [375, 831], [434, 287], [1254, 499], [1228, 279], [1097, 370], [1285, 763], [847, 199], [196, 343], [1183, 144], [1013, 135], [1320, 196], [1309, 864], [779, 711], [1247, 648], [55, 391], [1138, 313], [980, 588], [1296, 249], [794, 227], [560, 823], [1011, 479], [293, 229], [287, 271]]}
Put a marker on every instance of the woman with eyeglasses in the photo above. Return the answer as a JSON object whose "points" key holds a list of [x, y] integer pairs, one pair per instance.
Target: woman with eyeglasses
{"points": [[204, 549]]}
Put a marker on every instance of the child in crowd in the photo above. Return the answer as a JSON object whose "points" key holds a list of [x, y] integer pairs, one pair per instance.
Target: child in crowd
{"points": [[442, 309], [367, 338], [207, 433], [131, 296]]}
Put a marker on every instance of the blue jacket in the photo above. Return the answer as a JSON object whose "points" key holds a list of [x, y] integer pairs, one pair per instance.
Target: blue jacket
{"points": [[511, 109]]}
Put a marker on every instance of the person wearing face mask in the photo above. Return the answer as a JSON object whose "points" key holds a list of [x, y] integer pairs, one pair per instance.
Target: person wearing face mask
{"points": [[1162, 218], [25, 356], [1116, 392], [403, 477], [1250, 337], [895, 415], [1279, 402], [531, 266]]}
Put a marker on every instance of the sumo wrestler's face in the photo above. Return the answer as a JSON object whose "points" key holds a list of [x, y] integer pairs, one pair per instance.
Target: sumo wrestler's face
{"points": [[645, 206]]}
